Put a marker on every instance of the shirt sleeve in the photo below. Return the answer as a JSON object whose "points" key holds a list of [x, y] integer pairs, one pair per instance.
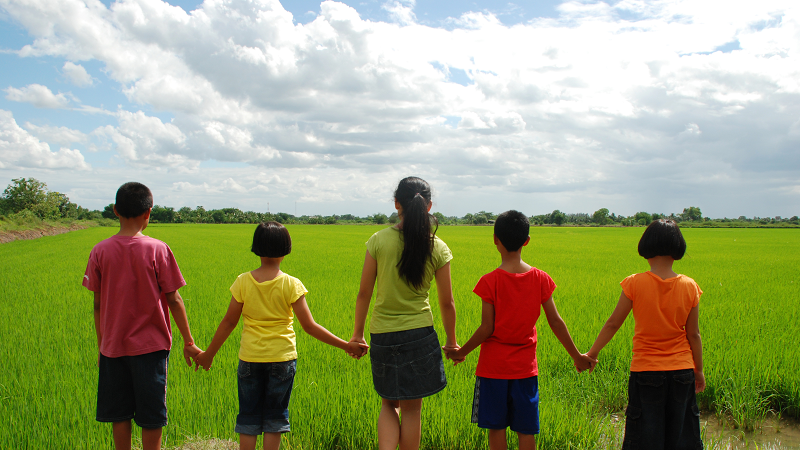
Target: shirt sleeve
{"points": [[169, 275], [485, 288], [628, 287], [372, 246], [297, 290], [92, 276], [547, 286], [442, 254], [236, 290], [698, 293]]}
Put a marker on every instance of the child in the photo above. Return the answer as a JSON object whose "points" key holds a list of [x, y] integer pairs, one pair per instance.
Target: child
{"points": [[266, 298], [667, 365], [135, 279], [507, 388], [406, 359]]}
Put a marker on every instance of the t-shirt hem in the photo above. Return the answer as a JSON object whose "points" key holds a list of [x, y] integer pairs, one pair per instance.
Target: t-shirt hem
{"points": [[497, 376], [137, 352], [284, 358], [659, 368]]}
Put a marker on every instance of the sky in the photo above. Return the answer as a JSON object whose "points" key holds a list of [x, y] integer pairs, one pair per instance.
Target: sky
{"points": [[311, 107]]}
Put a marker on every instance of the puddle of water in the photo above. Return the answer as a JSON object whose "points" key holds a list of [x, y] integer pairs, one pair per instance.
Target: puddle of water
{"points": [[774, 434]]}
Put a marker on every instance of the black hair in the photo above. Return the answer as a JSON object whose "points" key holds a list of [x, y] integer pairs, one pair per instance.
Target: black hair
{"points": [[414, 195], [662, 238], [271, 240], [512, 228], [133, 200]]}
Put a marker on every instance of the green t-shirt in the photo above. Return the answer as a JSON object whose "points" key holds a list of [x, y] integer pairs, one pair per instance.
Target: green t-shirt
{"points": [[398, 305]]}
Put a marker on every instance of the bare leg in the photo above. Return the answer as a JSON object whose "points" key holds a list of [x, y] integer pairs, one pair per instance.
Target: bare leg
{"points": [[151, 438], [527, 441], [247, 442], [122, 435], [389, 425], [411, 424], [272, 441], [497, 440]]}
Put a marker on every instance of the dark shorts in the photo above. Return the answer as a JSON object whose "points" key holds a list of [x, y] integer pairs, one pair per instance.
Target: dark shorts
{"points": [[264, 392], [499, 404], [133, 387], [408, 364], [662, 412]]}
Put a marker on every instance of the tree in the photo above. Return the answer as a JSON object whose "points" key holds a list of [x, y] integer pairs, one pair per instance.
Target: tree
{"points": [[439, 218], [557, 217], [643, 218], [379, 218], [600, 216], [24, 194], [162, 214], [394, 217], [108, 212], [691, 213]]}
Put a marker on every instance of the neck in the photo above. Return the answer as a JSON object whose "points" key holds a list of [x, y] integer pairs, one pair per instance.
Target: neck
{"points": [[512, 262], [662, 266], [132, 227], [269, 270]]}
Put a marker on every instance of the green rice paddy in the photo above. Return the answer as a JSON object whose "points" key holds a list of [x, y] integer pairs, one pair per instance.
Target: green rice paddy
{"points": [[748, 317]]}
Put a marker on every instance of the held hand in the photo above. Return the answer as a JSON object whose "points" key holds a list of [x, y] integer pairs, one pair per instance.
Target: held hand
{"points": [[699, 382], [189, 352], [204, 360], [357, 349], [453, 353], [585, 362]]}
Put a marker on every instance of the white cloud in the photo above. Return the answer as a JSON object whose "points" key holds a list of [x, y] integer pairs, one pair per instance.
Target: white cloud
{"points": [[37, 95], [58, 135], [77, 74], [18, 149]]}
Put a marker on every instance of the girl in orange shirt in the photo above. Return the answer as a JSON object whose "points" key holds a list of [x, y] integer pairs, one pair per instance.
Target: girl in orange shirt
{"points": [[667, 365]]}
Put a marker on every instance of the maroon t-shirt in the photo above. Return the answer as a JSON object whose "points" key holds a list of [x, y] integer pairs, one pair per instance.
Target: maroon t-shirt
{"points": [[510, 352], [132, 274]]}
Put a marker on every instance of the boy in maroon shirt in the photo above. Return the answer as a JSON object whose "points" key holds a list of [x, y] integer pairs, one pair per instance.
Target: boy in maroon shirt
{"points": [[506, 389], [135, 280]]}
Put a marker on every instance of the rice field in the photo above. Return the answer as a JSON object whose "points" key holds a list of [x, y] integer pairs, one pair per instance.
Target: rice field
{"points": [[748, 317]]}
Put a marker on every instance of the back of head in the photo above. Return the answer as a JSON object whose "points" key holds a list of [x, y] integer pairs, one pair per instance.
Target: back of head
{"points": [[512, 228], [414, 195], [271, 240], [133, 200], [662, 238]]}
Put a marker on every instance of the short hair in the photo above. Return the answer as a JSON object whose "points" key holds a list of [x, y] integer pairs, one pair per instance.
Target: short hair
{"points": [[271, 240], [133, 200], [662, 238], [512, 228]]}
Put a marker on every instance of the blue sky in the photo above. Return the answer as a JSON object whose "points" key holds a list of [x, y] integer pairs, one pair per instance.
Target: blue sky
{"points": [[630, 105]]}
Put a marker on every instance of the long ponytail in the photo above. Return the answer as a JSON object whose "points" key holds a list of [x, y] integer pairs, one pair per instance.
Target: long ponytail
{"points": [[414, 195]]}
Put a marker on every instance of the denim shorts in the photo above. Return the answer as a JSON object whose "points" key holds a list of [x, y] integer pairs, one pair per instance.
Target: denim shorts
{"points": [[499, 404], [264, 391], [662, 412], [133, 387], [407, 364]]}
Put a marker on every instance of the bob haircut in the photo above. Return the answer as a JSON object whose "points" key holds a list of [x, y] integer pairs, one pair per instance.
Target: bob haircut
{"points": [[133, 200], [662, 238], [512, 228], [271, 240]]}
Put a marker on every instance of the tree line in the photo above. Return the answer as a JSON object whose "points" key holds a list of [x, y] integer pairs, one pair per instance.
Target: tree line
{"points": [[30, 198]]}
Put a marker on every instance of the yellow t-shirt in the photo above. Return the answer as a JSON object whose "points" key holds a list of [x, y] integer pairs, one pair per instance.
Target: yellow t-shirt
{"points": [[267, 335], [398, 305]]}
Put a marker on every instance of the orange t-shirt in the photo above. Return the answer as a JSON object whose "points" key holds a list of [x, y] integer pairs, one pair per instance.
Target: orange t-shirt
{"points": [[660, 310]]}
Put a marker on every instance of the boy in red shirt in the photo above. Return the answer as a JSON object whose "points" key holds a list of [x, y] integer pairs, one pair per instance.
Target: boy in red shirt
{"points": [[506, 389], [135, 280]]}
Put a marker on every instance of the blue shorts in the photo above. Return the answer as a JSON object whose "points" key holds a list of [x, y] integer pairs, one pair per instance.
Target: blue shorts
{"points": [[499, 404], [133, 387], [264, 392]]}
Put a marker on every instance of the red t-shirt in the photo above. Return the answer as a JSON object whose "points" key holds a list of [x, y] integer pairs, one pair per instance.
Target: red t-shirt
{"points": [[510, 352], [132, 274]]}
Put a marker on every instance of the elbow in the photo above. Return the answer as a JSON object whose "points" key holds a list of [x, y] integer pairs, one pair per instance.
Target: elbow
{"points": [[694, 336]]}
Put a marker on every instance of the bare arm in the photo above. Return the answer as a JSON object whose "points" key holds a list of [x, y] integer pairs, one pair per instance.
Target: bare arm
{"points": [[178, 311], [228, 324], [612, 325], [447, 305], [310, 326], [693, 335], [97, 324], [562, 333], [483, 332], [368, 276]]}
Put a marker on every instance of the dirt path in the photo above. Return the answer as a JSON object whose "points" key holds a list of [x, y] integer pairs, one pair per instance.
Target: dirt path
{"points": [[8, 236]]}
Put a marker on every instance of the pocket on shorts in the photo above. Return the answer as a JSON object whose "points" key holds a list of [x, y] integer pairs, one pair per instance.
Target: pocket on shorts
{"points": [[633, 433], [652, 388], [244, 369], [682, 387], [284, 370]]}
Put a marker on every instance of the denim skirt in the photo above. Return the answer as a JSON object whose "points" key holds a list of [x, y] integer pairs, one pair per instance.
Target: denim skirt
{"points": [[407, 364]]}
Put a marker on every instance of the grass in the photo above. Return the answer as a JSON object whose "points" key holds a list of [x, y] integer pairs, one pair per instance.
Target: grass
{"points": [[749, 322]]}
